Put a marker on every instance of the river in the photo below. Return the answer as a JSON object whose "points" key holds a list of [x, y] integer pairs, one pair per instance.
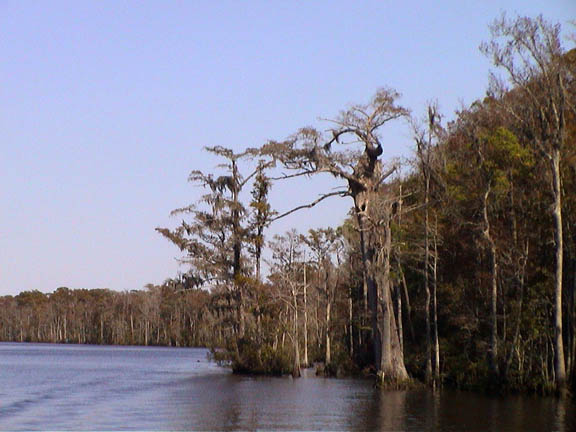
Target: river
{"points": [[83, 387]]}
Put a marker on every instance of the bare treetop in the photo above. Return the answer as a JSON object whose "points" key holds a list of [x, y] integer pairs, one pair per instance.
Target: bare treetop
{"points": [[525, 46], [311, 151]]}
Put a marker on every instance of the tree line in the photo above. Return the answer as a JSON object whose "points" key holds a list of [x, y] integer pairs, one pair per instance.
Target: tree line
{"points": [[456, 267], [159, 315]]}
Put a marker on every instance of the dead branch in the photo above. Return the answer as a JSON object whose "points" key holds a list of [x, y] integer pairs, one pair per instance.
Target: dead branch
{"points": [[312, 204]]}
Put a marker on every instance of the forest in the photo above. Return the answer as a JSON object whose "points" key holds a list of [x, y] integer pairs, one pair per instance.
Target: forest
{"points": [[455, 268]]}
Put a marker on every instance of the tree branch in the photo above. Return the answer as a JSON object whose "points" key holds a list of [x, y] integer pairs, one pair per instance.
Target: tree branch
{"points": [[312, 204]]}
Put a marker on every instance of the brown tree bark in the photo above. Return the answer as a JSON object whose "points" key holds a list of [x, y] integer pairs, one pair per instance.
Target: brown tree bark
{"points": [[559, 364]]}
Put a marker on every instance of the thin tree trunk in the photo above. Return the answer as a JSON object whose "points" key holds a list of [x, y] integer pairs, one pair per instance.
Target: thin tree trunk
{"points": [[296, 370], [306, 361], [350, 323], [328, 352], [237, 251], [146, 333], [399, 317], [406, 298], [559, 365], [521, 277], [427, 282], [317, 320], [493, 350], [573, 313], [435, 306]]}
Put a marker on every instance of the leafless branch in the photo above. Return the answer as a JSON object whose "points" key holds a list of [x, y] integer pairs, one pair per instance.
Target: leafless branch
{"points": [[312, 204]]}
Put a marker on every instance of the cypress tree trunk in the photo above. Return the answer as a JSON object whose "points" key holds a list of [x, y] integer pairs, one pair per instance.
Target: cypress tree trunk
{"points": [[388, 355], [367, 252], [392, 368]]}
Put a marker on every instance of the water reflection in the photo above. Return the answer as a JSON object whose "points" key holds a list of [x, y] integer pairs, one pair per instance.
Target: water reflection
{"points": [[231, 403], [235, 403], [94, 388]]}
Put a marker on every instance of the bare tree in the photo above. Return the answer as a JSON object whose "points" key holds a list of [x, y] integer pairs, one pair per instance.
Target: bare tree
{"points": [[324, 244], [286, 269], [310, 152], [426, 149]]}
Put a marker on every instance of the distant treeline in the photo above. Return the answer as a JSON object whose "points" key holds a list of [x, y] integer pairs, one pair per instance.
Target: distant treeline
{"points": [[160, 315], [459, 269]]}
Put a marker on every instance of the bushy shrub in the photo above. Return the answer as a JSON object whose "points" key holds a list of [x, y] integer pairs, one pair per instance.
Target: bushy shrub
{"points": [[248, 357], [342, 364]]}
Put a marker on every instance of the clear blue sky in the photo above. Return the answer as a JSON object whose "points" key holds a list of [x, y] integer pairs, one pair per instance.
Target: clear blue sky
{"points": [[106, 105]]}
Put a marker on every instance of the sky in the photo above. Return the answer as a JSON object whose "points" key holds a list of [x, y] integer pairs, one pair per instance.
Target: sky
{"points": [[105, 107]]}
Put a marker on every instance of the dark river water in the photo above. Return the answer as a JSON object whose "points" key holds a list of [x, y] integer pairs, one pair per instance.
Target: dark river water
{"points": [[79, 387]]}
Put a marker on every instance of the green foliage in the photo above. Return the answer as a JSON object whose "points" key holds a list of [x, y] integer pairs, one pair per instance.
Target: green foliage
{"points": [[506, 159], [248, 357]]}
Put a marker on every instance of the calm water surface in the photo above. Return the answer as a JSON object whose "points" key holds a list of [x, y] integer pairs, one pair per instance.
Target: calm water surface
{"points": [[78, 387]]}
